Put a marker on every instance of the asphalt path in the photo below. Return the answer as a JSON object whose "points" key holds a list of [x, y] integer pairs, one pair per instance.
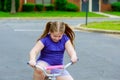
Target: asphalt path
{"points": [[98, 53]]}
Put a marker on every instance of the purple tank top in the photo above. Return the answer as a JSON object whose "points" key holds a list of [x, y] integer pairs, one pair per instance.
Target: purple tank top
{"points": [[53, 52]]}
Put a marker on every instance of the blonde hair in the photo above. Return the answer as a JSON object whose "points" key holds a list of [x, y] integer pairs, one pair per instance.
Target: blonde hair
{"points": [[58, 27]]}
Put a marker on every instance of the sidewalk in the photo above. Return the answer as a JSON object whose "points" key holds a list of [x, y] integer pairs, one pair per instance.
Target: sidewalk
{"points": [[109, 15], [78, 27]]}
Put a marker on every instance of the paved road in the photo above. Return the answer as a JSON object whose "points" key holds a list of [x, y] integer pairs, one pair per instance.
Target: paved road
{"points": [[98, 53]]}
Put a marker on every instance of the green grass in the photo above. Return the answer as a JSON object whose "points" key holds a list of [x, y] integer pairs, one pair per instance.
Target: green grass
{"points": [[114, 13], [106, 25], [49, 14]]}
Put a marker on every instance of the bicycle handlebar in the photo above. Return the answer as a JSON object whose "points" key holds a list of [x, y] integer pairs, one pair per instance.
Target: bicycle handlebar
{"points": [[44, 69]]}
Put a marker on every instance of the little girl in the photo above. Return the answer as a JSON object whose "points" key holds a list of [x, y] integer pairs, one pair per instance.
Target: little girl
{"points": [[56, 38]]}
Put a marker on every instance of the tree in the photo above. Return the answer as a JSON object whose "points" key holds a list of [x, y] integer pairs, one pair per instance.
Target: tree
{"points": [[13, 9], [2, 5]]}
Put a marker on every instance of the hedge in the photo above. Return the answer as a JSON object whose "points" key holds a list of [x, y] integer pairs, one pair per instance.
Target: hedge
{"points": [[49, 7], [39, 7], [71, 7], [60, 5], [28, 7], [116, 6]]}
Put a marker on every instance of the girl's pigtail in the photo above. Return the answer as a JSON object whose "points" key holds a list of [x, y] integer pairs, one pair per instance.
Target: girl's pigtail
{"points": [[70, 33], [46, 31]]}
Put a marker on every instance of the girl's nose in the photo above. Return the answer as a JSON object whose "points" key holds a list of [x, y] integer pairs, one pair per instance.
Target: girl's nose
{"points": [[57, 38]]}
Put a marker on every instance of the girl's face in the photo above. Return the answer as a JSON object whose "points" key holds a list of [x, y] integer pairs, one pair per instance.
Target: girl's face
{"points": [[56, 36]]}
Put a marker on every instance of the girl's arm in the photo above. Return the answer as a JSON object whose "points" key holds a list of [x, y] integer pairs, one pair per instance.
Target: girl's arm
{"points": [[71, 51], [34, 52]]}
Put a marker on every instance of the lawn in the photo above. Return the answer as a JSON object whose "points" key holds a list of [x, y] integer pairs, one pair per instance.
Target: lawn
{"points": [[114, 13], [106, 25], [49, 14]]}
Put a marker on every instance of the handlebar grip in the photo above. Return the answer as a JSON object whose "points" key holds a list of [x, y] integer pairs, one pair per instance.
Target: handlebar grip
{"points": [[28, 63], [77, 60]]}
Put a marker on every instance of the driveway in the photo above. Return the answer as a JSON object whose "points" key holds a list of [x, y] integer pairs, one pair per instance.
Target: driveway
{"points": [[98, 53]]}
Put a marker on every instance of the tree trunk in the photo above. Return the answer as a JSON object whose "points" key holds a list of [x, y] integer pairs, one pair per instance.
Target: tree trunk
{"points": [[13, 9]]}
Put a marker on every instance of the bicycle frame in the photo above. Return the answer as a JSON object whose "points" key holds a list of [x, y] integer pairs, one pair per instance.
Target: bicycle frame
{"points": [[54, 75]]}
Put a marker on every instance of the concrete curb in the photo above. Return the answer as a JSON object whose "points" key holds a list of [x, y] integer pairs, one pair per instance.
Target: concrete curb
{"points": [[97, 30], [32, 18]]}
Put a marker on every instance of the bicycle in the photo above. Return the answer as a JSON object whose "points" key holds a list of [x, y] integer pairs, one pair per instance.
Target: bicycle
{"points": [[52, 76]]}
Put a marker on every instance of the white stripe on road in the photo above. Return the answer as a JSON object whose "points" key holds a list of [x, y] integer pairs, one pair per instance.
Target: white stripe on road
{"points": [[30, 30], [27, 30]]}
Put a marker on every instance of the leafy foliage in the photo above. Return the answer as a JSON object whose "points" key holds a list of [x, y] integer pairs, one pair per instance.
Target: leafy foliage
{"points": [[116, 6], [49, 7], [8, 5], [39, 7], [71, 7], [28, 7], [60, 5]]}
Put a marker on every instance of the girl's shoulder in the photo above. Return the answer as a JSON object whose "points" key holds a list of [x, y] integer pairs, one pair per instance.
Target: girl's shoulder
{"points": [[65, 37], [46, 37], [43, 40]]}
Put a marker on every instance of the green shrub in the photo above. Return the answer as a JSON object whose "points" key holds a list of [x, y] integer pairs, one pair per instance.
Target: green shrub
{"points": [[49, 7], [2, 5], [17, 4], [8, 5], [60, 5], [28, 7], [39, 7], [71, 7], [116, 6]]}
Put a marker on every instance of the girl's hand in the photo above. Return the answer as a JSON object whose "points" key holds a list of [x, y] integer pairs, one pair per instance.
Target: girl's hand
{"points": [[74, 59], [32, 63]]}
